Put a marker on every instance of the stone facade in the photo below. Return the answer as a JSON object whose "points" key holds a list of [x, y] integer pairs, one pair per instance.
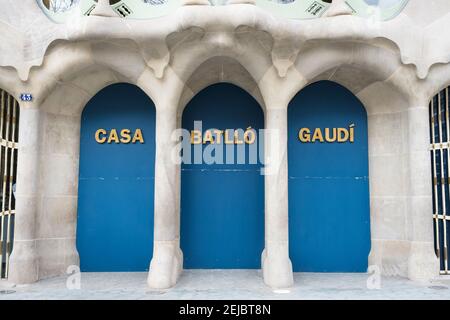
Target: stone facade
{"points": [[394, 67]]}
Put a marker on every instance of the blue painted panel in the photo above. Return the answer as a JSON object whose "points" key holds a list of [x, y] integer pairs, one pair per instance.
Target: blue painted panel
{"points": [[116, 183], [222, 205], [329, 219]]}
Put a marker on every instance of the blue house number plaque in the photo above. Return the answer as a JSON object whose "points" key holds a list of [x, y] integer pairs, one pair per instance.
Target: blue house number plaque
{"points": [[27, 97]]}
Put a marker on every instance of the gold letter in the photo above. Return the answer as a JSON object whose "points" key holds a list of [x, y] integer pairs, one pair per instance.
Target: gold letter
{"points": [[125, 136], [236, 137], [304, 135], [196, 137], [113, 136], [208, 137], [352, 133], [327, 135], [249, 136], [138, 136], [99, 139], [317, 135], [227, 138], [342, 135], [218, 136]]}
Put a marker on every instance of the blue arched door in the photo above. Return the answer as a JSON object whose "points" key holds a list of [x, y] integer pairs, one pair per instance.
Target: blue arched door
{"points": [[116, 181], [329, 219], [222, 205]]}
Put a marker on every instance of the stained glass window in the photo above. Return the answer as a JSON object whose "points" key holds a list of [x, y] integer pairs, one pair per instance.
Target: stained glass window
{"points": [[58, 6], [283, 1], [155, 2], [383, 3]]}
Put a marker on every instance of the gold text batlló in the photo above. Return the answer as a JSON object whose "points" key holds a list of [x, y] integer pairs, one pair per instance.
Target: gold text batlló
{"points": [[228, 136]]}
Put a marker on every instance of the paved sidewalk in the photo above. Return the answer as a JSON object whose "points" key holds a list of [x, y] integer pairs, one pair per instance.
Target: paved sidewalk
{"points": [[221, 284]]}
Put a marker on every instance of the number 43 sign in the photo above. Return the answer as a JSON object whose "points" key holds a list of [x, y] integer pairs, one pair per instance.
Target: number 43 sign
{"points": [[26, 97]]}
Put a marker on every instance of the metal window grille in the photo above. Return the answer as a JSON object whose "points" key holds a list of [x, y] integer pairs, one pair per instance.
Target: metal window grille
{"points": [[440, 155], [9, 129]]}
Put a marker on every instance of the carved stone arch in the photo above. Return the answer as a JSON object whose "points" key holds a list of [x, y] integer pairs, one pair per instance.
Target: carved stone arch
{"points": [[219, 69], [58, 146], [354, 65], [249, 47], [71, 63]]}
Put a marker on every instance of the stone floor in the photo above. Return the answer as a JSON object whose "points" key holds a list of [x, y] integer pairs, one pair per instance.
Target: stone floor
{"points": [[220, 284]]}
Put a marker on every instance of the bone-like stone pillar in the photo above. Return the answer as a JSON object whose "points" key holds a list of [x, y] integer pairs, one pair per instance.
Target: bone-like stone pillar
{"points": [[276, 265], [422, 263], [24, 262], [167, 261]]}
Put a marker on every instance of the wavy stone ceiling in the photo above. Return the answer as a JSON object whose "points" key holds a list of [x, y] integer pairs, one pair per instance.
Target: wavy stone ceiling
{"points": [[420, 31]]}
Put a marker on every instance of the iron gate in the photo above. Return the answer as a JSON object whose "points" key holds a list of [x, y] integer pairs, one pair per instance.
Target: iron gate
{"points": [[440, 154], [9, 115]]}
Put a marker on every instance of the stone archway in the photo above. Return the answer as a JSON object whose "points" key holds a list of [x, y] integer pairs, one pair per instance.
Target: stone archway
{"points": [[222, 203], [329, 214], [116, 181]]}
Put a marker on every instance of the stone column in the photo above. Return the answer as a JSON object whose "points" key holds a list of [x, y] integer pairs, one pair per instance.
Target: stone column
{"points": [[167, 261], [422, 263], [276, 265], [23, 263]]}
